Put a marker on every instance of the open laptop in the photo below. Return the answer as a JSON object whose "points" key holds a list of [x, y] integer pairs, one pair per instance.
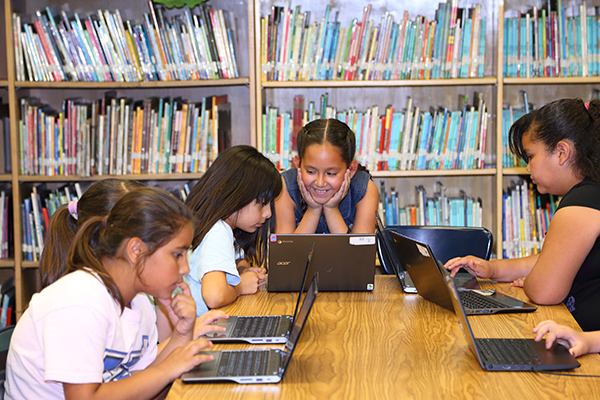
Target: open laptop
{"points": [[255, 366], [345, 262], [510, 354], [259, 329], [428, 275]]}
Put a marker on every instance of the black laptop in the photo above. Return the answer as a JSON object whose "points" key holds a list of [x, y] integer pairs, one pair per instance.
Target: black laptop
{"points": [[510, 354], [255, 366], [428, 276], [345, 262]]}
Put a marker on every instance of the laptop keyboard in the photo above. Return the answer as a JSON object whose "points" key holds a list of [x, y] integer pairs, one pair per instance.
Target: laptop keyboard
{"points": [[508, 351], [243, 363], [476, 301], [260, 326]]}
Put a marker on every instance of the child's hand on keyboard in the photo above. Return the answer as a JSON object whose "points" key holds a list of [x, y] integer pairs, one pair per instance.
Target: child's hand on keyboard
{"points": [[578, 343], [206, 323]]}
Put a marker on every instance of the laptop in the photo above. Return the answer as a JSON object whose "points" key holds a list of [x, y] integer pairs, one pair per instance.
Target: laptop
{"points": [[345, 262], [260, 329], [255, 366], [388, 259], [428, 275], [510, 354]]}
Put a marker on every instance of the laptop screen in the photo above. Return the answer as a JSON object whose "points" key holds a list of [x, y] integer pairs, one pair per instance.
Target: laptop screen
{"points": [[462, 317], [301, 318]]}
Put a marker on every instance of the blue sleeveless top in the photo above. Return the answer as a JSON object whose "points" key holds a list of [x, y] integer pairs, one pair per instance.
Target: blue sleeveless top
{"points": [[358, 188]]}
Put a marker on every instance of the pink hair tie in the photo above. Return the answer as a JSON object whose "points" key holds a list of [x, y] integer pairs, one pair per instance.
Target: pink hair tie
{"points": [[73, 208], [587, 106]]}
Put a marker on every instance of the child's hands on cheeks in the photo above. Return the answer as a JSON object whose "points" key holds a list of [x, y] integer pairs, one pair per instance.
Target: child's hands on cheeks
{"points": [[575, 341], [310, 202], [335, 200], [181, 310]]}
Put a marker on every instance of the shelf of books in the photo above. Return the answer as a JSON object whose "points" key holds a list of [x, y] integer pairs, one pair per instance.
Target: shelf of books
{"points": [[550, 51], [416, 83], [110, 88]]}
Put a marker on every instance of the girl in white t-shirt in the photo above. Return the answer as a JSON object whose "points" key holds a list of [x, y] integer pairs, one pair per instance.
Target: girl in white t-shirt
{"points": [[92, 333], [232, 203]]}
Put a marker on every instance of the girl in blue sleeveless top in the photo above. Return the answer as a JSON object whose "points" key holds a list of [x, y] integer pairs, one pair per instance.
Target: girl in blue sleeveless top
{"points": [[327, 192]]}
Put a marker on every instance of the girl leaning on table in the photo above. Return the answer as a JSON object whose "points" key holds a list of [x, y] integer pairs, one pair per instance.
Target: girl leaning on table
{"points": [[97, 201], [561, 144], [327, 191], [232, 203], [92, 333]]}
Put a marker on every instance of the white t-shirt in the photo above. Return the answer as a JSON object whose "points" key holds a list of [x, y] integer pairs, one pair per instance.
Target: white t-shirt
{"points": [[74, 332], [216, 252]]}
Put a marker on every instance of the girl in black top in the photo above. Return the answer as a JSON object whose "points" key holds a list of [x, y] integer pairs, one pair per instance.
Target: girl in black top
{"points": [[561, 144]]}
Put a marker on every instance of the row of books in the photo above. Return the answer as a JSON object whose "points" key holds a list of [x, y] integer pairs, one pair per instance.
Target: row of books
{"points": [[36, 211], [452, 45], [548, 42], [525, 218], [411, 139], [439, 209], [38, 208], [118, 136], [103, 47]]}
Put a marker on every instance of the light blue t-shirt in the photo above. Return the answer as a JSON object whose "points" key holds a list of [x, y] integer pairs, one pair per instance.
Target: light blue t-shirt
{"points": [[216, 252]]}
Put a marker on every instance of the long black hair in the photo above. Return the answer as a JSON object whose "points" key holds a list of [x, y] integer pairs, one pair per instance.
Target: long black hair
{"points": [[564, 119], [239, 176]]}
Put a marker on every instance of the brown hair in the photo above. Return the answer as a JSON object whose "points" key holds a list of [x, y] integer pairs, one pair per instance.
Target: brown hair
{"points": [[96, 201], [151, 214]]}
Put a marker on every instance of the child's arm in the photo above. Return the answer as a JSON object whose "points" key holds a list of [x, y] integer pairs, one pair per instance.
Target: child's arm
{"points": [[579, 343], [506, 270], [216, 292], [366, 209], [145, 384], [570, 237]]}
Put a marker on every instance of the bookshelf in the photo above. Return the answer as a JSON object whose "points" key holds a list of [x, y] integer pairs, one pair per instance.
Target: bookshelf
{"points": [[240, 91], [250, 94]]}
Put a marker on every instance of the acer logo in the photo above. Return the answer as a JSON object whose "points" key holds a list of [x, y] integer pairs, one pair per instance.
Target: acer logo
{"points": [[284, 262]]}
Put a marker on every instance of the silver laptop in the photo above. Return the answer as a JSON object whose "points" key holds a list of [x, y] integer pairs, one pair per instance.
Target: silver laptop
{"points": [[345, 262], [260, 329], [428, 275], [510, 354], [255, 366]]}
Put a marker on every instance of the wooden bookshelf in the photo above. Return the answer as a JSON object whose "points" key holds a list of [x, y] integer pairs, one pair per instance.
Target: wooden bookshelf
{"points": [[241, 94]]}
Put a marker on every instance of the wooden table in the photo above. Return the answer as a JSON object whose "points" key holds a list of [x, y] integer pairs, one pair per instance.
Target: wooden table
{"points": [[385, 344]]}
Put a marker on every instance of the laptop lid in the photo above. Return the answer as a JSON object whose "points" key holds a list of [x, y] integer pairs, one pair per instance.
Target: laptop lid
{"points": [[345, 262], [557, 357], [388, 259], [428, 276]]}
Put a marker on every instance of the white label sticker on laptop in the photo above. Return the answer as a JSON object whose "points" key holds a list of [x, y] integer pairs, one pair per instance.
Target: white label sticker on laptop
{"points": [[362, 240], [423, 250]]}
